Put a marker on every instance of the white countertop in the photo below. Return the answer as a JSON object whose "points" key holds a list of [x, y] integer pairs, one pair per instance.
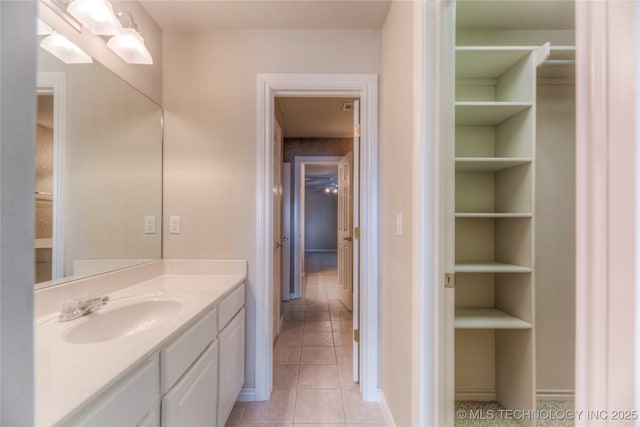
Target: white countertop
{"points": [[68, 376]]}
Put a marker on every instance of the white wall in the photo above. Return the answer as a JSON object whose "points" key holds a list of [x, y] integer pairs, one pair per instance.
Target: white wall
{"points": [[555, 238], [210, 80], [396, 136], [17, 175]]}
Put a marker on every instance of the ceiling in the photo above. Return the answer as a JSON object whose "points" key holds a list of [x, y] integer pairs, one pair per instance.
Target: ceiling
{"points": [[515, 14], [269, 14], [316, 117]]}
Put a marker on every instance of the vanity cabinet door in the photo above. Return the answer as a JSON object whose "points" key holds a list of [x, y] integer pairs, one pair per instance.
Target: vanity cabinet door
{"points": [[193, 400], [232, 339]]}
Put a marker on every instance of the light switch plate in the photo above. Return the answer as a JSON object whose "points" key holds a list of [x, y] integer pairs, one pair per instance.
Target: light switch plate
{"points": [[174, 224], [149, 224], [399, 224]]}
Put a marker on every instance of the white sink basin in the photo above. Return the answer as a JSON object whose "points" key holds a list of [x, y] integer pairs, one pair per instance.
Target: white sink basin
{"points": [[122, 318]]}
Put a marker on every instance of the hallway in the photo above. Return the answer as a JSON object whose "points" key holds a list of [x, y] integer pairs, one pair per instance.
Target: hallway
{"points": [[312, 376]]}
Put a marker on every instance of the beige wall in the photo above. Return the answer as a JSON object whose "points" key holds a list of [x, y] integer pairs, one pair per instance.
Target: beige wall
{"points": [[555, 238], [396, 134], [210, 81], [146, 78]]}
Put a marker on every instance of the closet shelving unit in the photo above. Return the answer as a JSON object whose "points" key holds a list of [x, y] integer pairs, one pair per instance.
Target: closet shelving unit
{"points": [[494, 217]]}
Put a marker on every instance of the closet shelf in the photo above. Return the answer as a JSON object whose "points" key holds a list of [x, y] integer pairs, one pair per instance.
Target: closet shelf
{"points": [[488, 61], [496, 215], [487, 318], [490, 267], [487, 113], [44, 243], [489, 164]]}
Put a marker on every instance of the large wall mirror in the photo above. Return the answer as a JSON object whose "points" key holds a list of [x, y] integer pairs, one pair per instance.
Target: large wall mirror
{"points": [[98, 192]]}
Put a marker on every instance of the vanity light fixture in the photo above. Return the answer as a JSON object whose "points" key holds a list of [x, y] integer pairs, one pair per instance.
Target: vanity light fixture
{"points": [[130, 45], [96, 15], [65, 50], [43, 29]]}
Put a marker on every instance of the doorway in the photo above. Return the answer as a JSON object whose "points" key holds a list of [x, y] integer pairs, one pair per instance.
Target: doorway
{"points": [[363, 87], [48, 192]]}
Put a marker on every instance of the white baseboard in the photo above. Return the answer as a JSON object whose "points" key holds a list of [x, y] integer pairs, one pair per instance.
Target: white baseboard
{"points": [[476, 394], [490, 394], [247, 395], [388, 417], [555, 395]]}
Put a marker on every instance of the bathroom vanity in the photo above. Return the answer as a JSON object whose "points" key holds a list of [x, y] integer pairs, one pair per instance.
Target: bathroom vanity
{"points": [[168, 348]]}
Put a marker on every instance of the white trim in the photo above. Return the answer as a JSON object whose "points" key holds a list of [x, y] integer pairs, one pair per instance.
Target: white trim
{"points": [[386, 411], [434, 29], [56, 83], [287, 245], [247, 395], [483, 394], [605, 174], [364, 86], [298, 200], [560, 395]]}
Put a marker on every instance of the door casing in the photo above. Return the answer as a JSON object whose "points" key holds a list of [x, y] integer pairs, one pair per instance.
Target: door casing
{"points": [[365, 87]]}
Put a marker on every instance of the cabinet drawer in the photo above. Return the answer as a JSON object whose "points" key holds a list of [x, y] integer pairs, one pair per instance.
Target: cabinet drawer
{"points": [[230, 306], [178, 356], [129, 403]]}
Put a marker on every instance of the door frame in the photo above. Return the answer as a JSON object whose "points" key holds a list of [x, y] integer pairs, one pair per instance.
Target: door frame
{"points": [[298, 217], [55, 83], [365, 87], [286, 232]]}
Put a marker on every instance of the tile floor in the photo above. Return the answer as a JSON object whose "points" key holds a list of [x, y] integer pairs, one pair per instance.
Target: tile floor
{"points": [[312, 381]]}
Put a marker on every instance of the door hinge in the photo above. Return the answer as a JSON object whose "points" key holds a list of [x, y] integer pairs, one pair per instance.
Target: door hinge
{"points": [[356, 335], [356, 233], [450, 280], [356, 131]]}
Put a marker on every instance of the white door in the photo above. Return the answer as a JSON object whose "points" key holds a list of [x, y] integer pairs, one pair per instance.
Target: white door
{"points": [[286, 232], [345, 231], [277, 228]]}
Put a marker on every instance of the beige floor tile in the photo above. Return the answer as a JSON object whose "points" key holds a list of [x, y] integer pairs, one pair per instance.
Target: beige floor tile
{"points": [[317, 306], [235, 418], [319, 377], [346, 376], [341, 315], [294, 315], [318, 315], [319, 406], [285, 376], [317, 339], [317, 326], [286, 355], [343, 338], [286, 307], [318, 356], [342, 325], [359, 411], [366, 425], [293, 325], [266, 425], [279, 409], [344, 355], [289, 338]]}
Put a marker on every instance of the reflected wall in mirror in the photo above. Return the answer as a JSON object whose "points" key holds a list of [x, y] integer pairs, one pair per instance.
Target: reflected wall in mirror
{"points": [[98, 188]]}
